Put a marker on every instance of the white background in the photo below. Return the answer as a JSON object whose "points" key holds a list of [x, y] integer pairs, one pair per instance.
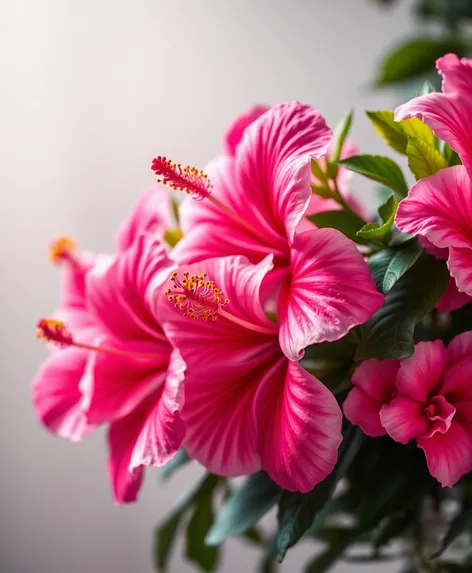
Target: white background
{"points": [[91, 91]]}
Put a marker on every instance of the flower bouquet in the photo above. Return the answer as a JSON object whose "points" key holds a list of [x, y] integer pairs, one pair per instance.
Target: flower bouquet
{"points": [[270, 325]]}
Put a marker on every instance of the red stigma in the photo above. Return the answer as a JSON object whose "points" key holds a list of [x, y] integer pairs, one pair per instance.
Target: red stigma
{"points": [[53, 330], [186, 178]]}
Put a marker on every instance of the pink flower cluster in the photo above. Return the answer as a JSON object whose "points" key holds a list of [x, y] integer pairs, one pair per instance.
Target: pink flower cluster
{"points": [[427, 398], [200, 346]]}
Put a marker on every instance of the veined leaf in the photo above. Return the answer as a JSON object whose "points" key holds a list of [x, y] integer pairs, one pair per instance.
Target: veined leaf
{"points": [[340, 134], [389, 332], [396, 133], [423, 158], [374, 231], [345, 221], [379, 168]]}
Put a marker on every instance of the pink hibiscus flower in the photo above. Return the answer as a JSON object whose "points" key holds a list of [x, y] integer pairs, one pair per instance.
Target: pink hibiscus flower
{"points": [[247, 406], [252, 203], [72, 391], [427, 398], [439, 207]]}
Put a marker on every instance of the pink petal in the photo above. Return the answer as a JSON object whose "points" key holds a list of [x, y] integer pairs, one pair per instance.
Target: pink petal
{"points": [[210, 232], [226, 363], [151, 214], [460, 267], [420, 376], [452, 299], [300, 428], [235, 131], [363, 411], [438, 252], [449, 117], [374, 386], [56, 394], [440, 208], [456, 387], [115, 385], [163, 430], [331, 291], [404, 419], [457, 75], [460, 347], [117, 292], [449, 455], [122, 437], [273, 162], [266, 185]]}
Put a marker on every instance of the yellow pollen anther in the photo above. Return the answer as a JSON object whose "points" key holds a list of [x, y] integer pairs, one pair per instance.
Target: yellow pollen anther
{"points": [[61, 249], [197, 296]]}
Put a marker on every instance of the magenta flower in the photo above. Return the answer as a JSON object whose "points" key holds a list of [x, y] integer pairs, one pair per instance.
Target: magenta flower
{"points": [[252, 203], [247, 407], [427, 397], [440, 206], [73, 390]]}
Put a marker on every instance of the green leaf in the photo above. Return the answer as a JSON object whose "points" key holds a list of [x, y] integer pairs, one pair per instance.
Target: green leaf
{"points": [[344, 221], [205, 556], [324, 192], [452, 157], [396, 133], [179, 460], [175, 210], [329, 556], [413, 58], [297, 511], [374, 231], [379, 168], [340, 134], [402, 260], [319, 174], [244, 508], [253, 535], [462, 522], [423, 158], [165, 533], [389, 332], [394, 526], [164, 540]]}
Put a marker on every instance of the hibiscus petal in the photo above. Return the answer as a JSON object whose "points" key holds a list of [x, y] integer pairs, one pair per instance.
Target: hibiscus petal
{"points": [[233, 135], [404, 419], [330, 291], [456, 386], [115, 385], [449, 455], [56, 394], [374, 386], [420, 376], [300, 428], [273, 163], [117, 292], [266, 185], [448, 116], [163, 430], [122, 436], [457, 75], [439, 208], [211, 232], [151, 214], [460, 267]]}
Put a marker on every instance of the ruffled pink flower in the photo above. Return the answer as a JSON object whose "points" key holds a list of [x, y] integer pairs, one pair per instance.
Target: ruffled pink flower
{"points": [[427, 397], [247, 407], [439, 207], [234, 133], [58, 388], [251, 204]]}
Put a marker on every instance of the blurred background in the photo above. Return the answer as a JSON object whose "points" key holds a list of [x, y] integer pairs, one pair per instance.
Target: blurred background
{"points": [[91, 91]]}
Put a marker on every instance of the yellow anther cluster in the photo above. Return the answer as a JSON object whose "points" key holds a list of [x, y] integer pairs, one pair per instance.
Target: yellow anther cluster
{"points": [[197, 296], [61, 248]]}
